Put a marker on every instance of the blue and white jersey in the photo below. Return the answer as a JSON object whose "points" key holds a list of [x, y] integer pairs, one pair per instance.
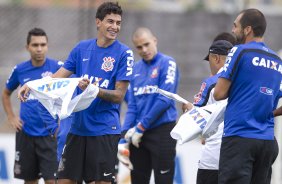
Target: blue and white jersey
{"points": [[145, 105], [203, 97], [255, 74], [32, 123], [107, 66], [210, 150]]}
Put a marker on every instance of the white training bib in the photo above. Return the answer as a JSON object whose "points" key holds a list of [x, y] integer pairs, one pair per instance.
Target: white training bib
{"points": [[56, 95]]}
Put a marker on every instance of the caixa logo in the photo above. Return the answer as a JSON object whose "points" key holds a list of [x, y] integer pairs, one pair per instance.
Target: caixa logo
{"points": [[266, 91], [198, 118], [53, 85], [3, 166]]}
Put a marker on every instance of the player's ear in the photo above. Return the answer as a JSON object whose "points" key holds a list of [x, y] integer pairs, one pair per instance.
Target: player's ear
{"points": [[155, 40], [217, 58], [98, 22], [247, 30]]}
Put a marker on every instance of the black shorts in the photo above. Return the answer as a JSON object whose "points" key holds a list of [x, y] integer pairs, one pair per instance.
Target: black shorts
{"points": [[35, 157], [89, 158], [207, 176], [156, 151], [246, 160]]}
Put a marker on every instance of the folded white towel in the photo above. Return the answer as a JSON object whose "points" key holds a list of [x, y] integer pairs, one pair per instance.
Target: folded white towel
{"points": [[190, 125], [199, 120], [216, 118]]}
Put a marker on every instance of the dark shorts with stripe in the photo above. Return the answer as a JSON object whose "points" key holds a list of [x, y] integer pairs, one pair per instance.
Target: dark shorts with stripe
{"points": [[156, 151], [89, 158]]}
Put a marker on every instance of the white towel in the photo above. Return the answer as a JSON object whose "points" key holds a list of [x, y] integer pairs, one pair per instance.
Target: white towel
{"points": [[190, 124], [55, 94], [199, 120], [216, 118]]}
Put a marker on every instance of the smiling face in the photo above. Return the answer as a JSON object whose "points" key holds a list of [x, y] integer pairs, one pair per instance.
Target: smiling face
{"points": [[146, 45], [109, 27], [37, 48]]}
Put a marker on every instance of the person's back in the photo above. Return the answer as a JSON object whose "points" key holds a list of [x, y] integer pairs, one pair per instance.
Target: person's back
{"points": [[251, 81], [209, 160], [255, 87]]}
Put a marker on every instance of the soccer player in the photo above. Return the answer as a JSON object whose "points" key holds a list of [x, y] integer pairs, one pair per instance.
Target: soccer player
{"points": [[151, 116], [209, 160], [35, 148], [250, 80], [91, 146]]}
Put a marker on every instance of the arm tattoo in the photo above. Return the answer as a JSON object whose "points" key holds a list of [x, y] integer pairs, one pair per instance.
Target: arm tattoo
{"points": [[116, 95]]}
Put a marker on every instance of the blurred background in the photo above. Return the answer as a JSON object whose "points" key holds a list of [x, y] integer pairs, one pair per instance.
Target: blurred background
{"points": [[184, 28]]}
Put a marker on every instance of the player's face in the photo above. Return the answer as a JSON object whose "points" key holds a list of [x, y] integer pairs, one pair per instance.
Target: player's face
{"points": [[213, 60], [37, 48], [110, 26], [238, 31], [146, 46]]}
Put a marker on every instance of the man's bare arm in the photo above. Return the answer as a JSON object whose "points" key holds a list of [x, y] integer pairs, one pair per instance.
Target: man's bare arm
{"points": [[62, 73], [221, 89], [13, 119], [277, 112], [116, 95]]}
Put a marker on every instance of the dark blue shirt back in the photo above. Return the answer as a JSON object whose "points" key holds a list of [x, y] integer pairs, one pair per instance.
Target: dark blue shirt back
{"points": [[255, 74]]}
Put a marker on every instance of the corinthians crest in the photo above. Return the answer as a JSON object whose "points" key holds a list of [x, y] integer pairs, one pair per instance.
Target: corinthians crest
{"points": [[108, 64]]}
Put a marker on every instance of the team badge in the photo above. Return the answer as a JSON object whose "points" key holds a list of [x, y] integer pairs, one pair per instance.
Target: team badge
{"points": [[154, 73], [108, 64], [47, 73]]}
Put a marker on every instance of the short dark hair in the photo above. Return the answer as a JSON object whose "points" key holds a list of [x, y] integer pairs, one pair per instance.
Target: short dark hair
{"points": [[107, 8], [226, 36], [35, 32], [255, 19]]}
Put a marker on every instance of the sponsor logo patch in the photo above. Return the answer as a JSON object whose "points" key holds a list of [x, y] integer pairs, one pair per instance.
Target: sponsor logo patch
{"points": [[266, 91]]}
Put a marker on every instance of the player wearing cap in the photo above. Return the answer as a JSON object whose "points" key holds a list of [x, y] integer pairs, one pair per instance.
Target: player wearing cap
{"points": [[208, 163], [250, 80]]}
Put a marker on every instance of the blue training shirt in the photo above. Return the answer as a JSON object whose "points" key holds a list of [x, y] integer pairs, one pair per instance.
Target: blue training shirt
{"points": [[29, 112], [145, 105], [106, 65], [201, 99], [255, 74]]}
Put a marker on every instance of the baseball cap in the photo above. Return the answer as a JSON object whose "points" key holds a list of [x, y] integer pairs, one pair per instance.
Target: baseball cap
{"points": [[220, 47]]}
